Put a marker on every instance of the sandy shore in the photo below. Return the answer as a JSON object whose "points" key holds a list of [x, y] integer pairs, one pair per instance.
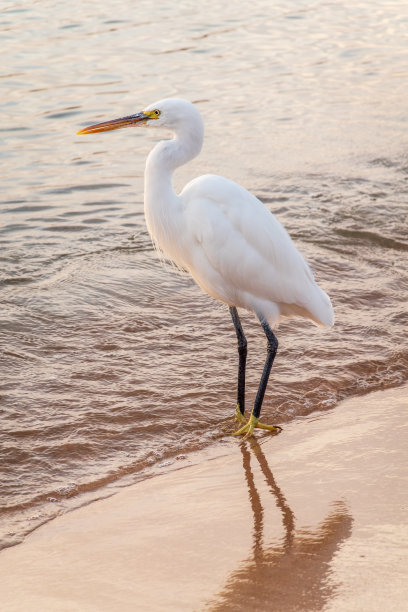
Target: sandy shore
{"points": [[312, 519]]}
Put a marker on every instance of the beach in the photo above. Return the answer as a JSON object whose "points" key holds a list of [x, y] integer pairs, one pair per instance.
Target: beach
{"points": [[311, 519], [121, 488], [114, 364]]}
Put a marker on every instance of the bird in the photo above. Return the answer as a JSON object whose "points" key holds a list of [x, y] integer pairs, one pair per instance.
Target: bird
{"points": [[225, 238]]}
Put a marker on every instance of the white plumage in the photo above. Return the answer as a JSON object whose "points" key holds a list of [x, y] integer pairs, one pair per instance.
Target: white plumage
{"points": [[229, 242]]}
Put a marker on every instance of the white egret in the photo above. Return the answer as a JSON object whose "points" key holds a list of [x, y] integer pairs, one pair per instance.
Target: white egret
{"points": [[229, 242]]}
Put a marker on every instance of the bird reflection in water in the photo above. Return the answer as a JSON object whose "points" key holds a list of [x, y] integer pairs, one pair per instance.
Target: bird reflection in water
{"points": [[293, 574]]}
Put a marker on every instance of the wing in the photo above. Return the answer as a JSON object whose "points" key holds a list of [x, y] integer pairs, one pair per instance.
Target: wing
{"points": [[240, 248]]}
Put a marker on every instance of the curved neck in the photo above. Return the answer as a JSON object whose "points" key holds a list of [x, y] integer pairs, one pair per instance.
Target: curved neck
{"points": [[168, 155], [163, 210]]}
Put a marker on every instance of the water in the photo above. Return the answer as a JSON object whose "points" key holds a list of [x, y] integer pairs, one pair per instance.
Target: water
{"points": [[113, 366]]}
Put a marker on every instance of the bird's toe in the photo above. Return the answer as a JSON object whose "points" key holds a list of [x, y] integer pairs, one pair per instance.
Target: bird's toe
{"points": [[248, 429]]}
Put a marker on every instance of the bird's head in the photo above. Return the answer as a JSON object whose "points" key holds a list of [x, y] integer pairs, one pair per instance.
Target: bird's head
{"points": [[170, 113]]}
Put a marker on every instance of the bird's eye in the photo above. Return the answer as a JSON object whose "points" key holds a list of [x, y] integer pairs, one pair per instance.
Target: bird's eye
{"points": [[157, 112]]}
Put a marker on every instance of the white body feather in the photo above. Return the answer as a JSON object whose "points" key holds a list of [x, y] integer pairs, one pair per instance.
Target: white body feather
{"points": [[229, 242]]}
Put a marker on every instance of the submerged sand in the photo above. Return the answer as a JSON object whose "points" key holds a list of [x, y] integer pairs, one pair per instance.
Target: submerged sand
{"points": [[312, 519]]}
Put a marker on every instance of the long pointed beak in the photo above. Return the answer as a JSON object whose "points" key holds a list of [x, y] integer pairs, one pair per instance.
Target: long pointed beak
{"points": [[116, 124]]}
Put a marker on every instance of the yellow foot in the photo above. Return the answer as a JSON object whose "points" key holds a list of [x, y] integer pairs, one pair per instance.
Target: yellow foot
{"points": [[253, 423], [239, 416]]}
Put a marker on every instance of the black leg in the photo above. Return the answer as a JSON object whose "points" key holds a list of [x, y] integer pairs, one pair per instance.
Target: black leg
{"points": [[254, 422], [272, 348], [242, 351]]}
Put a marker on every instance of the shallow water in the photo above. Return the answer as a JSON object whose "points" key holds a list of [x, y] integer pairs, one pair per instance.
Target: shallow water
{"points": [[114, 365]]}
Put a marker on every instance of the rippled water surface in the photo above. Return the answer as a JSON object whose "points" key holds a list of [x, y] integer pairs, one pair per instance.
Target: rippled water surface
{"points": [[114, 365]]}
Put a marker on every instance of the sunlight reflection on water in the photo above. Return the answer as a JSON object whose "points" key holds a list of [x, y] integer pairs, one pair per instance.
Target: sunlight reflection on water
{"points": [[112, 362]]}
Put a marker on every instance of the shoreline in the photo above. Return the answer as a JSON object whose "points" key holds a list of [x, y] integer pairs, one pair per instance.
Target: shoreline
{"points": [[311, 519]]}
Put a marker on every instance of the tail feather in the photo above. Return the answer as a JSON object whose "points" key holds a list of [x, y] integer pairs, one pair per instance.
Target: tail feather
{"points": [[321, 308]]}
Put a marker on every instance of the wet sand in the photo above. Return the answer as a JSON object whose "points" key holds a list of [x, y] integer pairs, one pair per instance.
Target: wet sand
{"points": [[311, 519]]}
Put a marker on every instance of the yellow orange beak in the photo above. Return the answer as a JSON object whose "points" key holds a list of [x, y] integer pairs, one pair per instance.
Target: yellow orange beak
{"points": [[116, 124]]}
